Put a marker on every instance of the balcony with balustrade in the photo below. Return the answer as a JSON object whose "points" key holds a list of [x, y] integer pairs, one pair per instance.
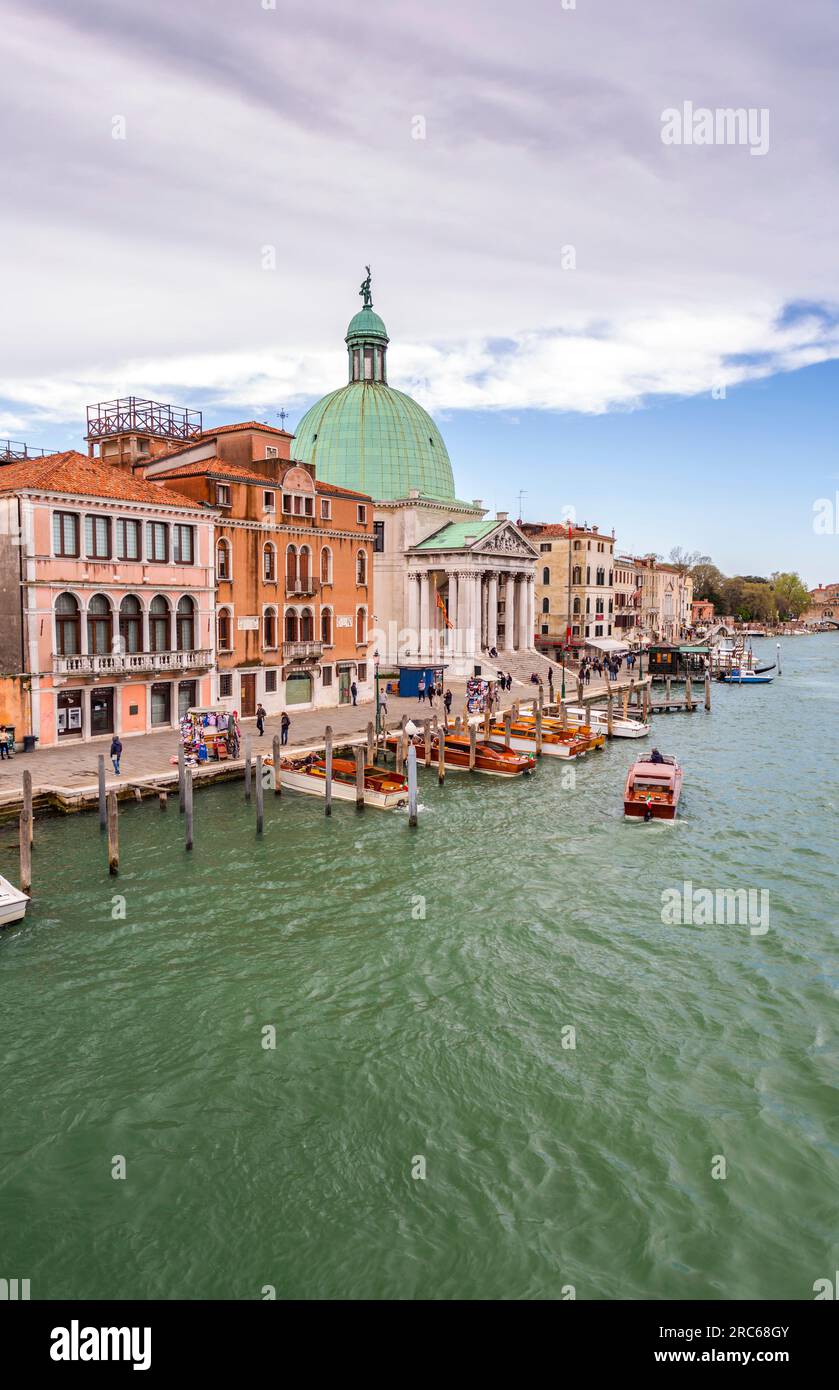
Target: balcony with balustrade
{"points": [[302, 651], [133, 663]]}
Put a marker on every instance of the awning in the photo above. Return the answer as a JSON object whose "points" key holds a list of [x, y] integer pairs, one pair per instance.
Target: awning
{"points": [[607, 644]]}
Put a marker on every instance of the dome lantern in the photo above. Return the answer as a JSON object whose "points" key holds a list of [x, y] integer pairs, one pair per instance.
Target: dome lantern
{"points": [[368, 437]]}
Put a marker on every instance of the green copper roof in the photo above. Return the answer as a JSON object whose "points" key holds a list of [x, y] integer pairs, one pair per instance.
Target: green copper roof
{"points": [[366, 324], [453, 535], [371, 438]]}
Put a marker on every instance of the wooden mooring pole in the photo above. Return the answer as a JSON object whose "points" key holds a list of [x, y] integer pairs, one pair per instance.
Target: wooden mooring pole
{"points": [[248, 768], [25, 856], [689, 695], [260, 796], [371, 742], [473, 743], [103, 806], [113, 834], [610, 722], [539, 729], [508, 719], [327, 804], [412, 785], [707, 690], [441, 757], [426, 735], [275, 752], [181, 779], [188, 806], [359, 779], [27, 806]]}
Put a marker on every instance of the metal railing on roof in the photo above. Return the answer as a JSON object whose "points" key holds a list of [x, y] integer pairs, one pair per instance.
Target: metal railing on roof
{"points": [[13, 451], [135, 415]]}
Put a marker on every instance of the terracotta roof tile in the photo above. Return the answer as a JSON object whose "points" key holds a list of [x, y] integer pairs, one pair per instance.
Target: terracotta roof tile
{"points": [[246, 425], [216, 468], [74, 473]]}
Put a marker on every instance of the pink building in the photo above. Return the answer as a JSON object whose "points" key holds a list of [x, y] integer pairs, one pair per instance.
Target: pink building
{"points": [[106, 600]]}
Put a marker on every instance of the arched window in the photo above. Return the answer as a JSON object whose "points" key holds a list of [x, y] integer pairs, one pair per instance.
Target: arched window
{"points": [[269, 628], [99, 626], [159, 624], [326, 565], [67, 625], [600, 577], [186, 624], [361, 626], [361, 567], [576, 606], [224, 630], [576, 575], [546, 575], [326, 626], [223, 560], [307, 625], [292, 626], [291, 567], [546, 605], [269, 562], [131, 624], [305, 566], [588, 574]]}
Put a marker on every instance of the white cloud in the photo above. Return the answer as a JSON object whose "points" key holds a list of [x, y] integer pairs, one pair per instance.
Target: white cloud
{"points": [[135, 265]]}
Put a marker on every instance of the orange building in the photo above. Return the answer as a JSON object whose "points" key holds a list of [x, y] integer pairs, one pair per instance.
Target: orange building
{"points": [[294, 571]]}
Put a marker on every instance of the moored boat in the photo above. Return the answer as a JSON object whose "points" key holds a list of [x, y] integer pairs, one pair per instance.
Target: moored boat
{"points": [[653, 787], [556, 741], [748, 677], [491, 757], [13, 903], [383, 788], [598, 720]]}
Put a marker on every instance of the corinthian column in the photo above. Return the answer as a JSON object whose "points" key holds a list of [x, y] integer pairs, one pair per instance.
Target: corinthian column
{"points": [[492, 610], [509, 614], [454, 611], [524, 640], [531, 610], [425, 594], [413, 615]]}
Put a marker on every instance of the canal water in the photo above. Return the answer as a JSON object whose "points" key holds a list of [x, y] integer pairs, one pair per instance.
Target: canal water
{"points": [[425, 989]]}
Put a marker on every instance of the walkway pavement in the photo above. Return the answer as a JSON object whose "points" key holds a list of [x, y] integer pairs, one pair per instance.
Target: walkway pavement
{"points": [[75, 766]]}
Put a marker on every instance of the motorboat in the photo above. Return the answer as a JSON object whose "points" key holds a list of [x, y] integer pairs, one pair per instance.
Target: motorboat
{"points": [[491, 757], [598, 720], [759, 677], [383, 788], [13, 903], [556, 741], [653, 787]]}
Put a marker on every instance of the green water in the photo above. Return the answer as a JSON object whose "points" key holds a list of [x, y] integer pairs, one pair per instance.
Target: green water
{"points": [[396, 1037]]}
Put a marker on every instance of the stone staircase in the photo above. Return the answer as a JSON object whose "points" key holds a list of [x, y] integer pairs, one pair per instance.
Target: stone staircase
{"points": [[521, 665]]}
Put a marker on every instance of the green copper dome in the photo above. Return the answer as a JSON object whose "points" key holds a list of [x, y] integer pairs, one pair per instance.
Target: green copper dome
{"points": [[368, 436]]}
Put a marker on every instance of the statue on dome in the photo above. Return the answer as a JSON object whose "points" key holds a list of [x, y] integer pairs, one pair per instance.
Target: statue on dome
{"points": [[365, 290]]}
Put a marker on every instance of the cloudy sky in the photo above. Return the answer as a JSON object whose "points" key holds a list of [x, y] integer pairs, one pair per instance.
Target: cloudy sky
{"points": [[646, 332]]}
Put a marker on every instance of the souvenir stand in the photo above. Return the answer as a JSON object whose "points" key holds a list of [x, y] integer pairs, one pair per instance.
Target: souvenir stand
{"points": [[478, 694], [209, 733]]}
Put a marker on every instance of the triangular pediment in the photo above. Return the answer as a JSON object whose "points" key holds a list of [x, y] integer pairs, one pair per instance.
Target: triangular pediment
{"points": [[507, 539]]}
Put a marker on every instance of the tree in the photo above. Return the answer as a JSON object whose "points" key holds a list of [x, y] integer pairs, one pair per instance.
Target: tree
{"points": [[708, 584], [791, 595], [685, 560]]}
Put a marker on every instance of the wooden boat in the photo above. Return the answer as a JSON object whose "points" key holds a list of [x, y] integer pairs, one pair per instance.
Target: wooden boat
{"points": [[598, 721], [12, 903], [556, 741], [384, 789], [491, 757], [653, 789]]}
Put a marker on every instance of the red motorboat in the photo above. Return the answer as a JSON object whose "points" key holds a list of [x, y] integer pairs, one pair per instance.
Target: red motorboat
{"points": [[653, 787]]}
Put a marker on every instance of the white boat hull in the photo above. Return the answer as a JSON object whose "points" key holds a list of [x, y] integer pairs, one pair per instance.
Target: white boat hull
{"points": [[549, 750], [621, 728], [13, 903], [341, 791]]}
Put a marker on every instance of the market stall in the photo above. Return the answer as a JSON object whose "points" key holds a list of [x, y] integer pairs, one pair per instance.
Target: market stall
{"points": [[209, 733]]}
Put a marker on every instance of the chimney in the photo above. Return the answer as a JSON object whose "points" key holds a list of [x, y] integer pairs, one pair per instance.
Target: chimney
{"points": [[477, 503], [501, 516]]}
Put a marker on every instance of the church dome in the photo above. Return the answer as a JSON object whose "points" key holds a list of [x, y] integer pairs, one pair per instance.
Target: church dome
{"points": [[369, 437]]}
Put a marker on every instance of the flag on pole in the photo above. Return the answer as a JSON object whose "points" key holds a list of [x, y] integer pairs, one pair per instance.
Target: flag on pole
{"points": [[441, 605]]}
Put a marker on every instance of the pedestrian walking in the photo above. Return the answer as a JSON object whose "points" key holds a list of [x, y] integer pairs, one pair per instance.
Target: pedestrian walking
{"points": [[354, 692], [587, 674], [4, 742], [261, 714], [383, 705], [421, 690], [285, 723], [447, 701], [116, 752], [509, 680]]}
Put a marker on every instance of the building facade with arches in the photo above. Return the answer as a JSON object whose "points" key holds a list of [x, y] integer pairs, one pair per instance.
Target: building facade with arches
{"points": [[107, 592], [293, 571]]}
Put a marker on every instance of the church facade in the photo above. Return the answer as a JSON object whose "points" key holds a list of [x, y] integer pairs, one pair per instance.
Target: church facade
{"points": [[451, 584]]}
